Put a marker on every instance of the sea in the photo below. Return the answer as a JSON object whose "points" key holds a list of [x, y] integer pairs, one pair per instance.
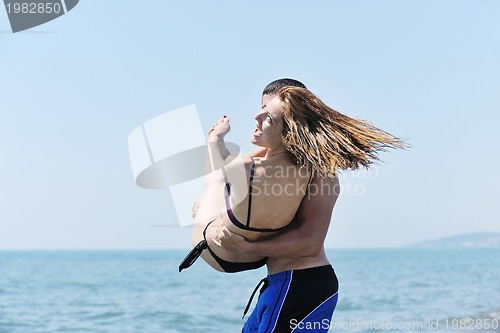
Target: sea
{"points": [[381, 290]]}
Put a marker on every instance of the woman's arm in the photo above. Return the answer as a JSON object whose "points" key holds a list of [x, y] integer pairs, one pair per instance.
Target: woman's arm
{"points": [[217, 150], [216, 154]]}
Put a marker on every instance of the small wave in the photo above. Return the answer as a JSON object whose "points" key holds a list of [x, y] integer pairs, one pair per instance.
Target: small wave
{"points": [[419, 284], [106, 315], [347, 305], [494, 314], [154, 314]]}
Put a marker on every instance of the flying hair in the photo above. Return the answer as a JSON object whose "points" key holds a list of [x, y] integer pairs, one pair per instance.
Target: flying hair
{"points": [[319, 136]]}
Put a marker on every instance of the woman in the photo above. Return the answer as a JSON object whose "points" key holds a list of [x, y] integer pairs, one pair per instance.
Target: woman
{"points": [[302, 135]]}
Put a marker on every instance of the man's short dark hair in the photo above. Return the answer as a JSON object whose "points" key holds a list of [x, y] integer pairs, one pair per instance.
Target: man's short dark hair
{"points": [[275, 86]]}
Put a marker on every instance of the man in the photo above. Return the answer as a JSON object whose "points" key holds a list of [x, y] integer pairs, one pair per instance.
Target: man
{"points": [[300, 291]]}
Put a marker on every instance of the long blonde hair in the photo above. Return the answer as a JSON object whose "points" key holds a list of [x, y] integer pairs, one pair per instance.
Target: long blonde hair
{"points": [[319, 136]]}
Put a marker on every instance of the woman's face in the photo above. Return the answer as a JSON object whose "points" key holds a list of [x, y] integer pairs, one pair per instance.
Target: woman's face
{"points": [[269, 124]]}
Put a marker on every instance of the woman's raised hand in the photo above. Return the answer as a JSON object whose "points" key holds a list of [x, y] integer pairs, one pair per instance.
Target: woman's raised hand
{"points": [[219, 130]]}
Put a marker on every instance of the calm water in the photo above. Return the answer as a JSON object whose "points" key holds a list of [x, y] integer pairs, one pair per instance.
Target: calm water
{"points": [[400, 290]]}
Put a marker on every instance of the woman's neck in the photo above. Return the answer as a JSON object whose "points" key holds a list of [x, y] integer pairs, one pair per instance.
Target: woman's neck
{"points": [[272, 152]]}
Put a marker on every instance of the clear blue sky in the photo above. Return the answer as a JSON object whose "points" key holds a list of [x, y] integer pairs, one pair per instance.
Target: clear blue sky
{"points": [[74, 88]]}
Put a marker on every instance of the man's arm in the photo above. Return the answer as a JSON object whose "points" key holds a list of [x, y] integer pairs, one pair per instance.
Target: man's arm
{"points": [[309, 230]]}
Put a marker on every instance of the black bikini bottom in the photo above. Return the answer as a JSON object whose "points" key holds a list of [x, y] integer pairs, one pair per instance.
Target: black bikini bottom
{"points": [[227, 266]]}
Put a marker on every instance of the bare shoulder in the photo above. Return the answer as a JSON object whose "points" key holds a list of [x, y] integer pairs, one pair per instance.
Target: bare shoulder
{"points": [[320, 198], [331, 185], [237, 171], [238, 162], [259, 152]]}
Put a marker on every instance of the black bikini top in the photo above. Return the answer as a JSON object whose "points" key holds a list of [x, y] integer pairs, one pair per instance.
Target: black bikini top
{"points": [[230, 213]]}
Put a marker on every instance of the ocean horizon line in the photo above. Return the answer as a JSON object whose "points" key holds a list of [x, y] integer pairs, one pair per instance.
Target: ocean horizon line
{"points": [[406, 247]]}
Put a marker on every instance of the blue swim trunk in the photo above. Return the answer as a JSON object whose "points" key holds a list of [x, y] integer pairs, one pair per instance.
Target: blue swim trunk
{"points": [[295, 301]]}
